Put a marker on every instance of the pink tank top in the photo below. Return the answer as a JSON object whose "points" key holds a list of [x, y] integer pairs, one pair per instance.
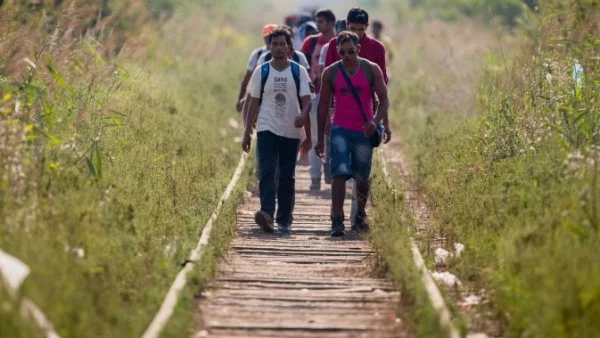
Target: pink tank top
{"points": [[346, 112]]}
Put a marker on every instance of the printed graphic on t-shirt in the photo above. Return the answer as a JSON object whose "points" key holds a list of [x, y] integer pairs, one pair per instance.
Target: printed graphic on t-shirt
{"points": [[280, 88]]}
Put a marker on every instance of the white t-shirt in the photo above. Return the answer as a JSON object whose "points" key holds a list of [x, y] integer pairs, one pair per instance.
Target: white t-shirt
{"points": [[254, 56], [280, 106], [323, 54], [301, 59]]}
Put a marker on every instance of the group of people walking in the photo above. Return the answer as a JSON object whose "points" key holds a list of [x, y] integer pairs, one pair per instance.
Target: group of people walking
{"points": [[329, 100]]}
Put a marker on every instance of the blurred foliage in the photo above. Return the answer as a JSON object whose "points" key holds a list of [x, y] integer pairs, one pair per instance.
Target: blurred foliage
{"points": [[508, 10]]}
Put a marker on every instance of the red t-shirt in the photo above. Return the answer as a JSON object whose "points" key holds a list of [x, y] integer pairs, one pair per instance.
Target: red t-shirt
{"points": [[370, 49], [315, 74]]}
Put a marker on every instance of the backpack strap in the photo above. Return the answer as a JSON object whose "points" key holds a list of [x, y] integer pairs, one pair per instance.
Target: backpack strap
{"points": [[354, 92], [296, 75], [264, 75], [333, 71], [268, 57], [311, 49], [296, 57]]}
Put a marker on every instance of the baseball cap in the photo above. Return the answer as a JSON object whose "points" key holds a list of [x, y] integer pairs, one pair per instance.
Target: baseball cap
{"points": [[267, 29]]}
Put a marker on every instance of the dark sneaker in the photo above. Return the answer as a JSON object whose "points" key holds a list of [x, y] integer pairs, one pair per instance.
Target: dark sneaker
{"points": [[264, 221], [337, 226], [284, 229], [315, 184], [360, 224]]}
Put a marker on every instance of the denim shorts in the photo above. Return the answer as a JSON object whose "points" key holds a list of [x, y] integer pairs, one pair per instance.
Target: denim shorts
{"points": [[351, 154]]}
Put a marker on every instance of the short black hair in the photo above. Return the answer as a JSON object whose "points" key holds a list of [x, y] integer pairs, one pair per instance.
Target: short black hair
{"points": [[348, 36], [281, 31], [358, 15], [377, 24], [326, 14]]}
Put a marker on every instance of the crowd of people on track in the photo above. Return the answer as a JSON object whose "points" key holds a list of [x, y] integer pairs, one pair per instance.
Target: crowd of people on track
{"points": [[316, 91]]}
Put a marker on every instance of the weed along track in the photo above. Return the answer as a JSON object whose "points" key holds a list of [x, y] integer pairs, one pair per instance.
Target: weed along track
{"points": [[301, 285]]}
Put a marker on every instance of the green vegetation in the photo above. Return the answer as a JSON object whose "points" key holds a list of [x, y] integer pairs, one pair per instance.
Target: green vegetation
{"points": [[516, 179], [116, 145], [183, 323], [508, 10], [390, 238]]}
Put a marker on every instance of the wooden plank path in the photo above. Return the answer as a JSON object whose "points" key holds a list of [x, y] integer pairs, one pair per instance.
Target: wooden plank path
{"points": [[306, 284]]}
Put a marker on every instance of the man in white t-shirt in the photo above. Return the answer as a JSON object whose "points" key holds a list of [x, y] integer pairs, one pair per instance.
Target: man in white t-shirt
{"points": [[292, 54], [252, 63], [280, 97]]}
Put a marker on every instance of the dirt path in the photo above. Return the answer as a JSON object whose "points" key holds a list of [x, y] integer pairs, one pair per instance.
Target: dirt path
{"points": [[303, 285]]}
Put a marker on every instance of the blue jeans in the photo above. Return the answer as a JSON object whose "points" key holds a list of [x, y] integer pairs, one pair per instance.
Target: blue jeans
{"points": [[351, 154], [277, 152]]}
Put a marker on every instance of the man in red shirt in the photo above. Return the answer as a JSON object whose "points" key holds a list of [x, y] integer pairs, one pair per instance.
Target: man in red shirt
{"points": [[311, 47], [370, 49]]}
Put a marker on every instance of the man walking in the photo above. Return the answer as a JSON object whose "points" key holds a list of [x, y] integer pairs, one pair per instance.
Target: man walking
{"points": [[352, 82], [280, 97], [384, 39], [357, 21], [311, 47]]}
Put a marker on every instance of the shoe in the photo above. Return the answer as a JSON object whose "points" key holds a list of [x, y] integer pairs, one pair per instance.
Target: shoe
{"points": [[360, 224], [337, 227], [264, 221], [315, 184], [284, 229]]}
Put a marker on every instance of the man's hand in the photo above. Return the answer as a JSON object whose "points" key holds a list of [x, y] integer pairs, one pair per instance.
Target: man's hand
{"points": [[369, 128], [246, 141], [387, 134], [306, 146], [300, 120], [320, 148]]}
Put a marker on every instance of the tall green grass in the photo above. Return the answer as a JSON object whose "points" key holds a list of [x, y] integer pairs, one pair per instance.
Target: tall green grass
{"points": [[390, 236], [516, 180], [111, 166]]}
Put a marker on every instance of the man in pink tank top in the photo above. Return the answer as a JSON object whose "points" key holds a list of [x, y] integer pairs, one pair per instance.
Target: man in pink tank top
{"points": [[352, 127]]}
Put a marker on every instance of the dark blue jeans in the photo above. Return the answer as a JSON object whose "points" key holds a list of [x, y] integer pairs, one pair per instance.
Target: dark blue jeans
{"points": [[274, 152]]}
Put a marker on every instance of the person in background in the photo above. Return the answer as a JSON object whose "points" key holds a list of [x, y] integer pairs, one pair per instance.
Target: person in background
{"points": [[311, 47], [307, 29], [251, 65], [377, 29], [357, 21]]}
